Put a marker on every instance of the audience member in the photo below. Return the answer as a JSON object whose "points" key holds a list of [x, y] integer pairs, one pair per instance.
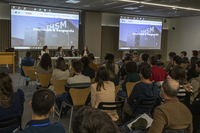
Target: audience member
{"points": [[60, 52], [103, 91], [135, 57], [72, 52], [199, 54], [61, 72], [143, 90], [110, 66], [44, 66], [111, 57], [87, 71], [85, 51], [44, 50], [122, 70], [194, 107], [176, 61], [179, 74], [42, 105], [140, 60], [27, 61], [145, 58], [160, 63], [158, 74], [91, 120], [11, 103], [79, 81], [170, 63], [172, 114], [132, 76], [104, 62], [183, 56], [192, 73], [91, 64], [121, 62], [195, 53]]}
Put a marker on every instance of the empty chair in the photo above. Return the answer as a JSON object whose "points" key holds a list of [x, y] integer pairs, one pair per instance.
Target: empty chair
{"points": [[44, 80]]}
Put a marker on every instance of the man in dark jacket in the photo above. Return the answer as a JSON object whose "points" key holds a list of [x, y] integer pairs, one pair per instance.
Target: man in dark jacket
{"points": [[143, 90], [144, 59], [183, 56]]}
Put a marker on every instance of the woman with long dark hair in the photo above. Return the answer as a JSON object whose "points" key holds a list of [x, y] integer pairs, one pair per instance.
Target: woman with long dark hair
{"points": [[110, 66], [11, 103], [103, 90], [60, 73], [85, 51], [60, 52], [44, 66], [72, 52], [192, 73], [44, 50]]}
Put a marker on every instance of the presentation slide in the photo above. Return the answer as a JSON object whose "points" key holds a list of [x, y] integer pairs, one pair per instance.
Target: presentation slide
{"points": [[33, 28], [139, 33]]}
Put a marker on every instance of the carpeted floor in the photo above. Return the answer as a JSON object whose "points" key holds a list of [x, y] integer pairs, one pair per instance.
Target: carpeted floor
{"points": [[28, 95]]}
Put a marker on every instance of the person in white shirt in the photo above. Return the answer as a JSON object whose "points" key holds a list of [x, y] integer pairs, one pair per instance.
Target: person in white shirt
{"points": [[85, 51], [44, 50]]}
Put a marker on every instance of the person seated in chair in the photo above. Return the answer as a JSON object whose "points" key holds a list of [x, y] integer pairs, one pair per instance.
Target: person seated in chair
{"points": [[176, 61], [42, 105], [11, 103], [91, 64], [60, 52], [183, 56], [72, 52], [172, 114], [27, 61], [87, 71], [160, 63], [122, 70], [143, 90], [111, 57], [170, 63], [79, 81], [144, 60]]}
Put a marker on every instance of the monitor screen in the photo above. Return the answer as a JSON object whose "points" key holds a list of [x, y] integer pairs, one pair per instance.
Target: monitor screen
{"points": [[33, 28], [139, 33]]}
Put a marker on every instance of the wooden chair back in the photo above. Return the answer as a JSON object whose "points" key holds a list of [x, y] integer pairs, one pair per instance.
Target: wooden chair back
{"points": [[79, 96], [98, 65], [44, 79], [59, 86], [129, 87], [117, 89], [25, 68], [32, 74], [165, 62], [92, 80], [71, 74], [184, 65]]}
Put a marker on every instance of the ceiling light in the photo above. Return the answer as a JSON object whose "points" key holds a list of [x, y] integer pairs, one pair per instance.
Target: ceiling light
{"points": [[163, 5], [110, 3], [72, 1], [131, 8]]}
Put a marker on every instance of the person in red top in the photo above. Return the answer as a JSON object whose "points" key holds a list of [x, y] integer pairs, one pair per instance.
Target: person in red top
{"points": [[158, 74]]}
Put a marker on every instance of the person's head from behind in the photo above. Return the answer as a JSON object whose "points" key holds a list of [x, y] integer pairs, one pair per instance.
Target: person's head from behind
{"points": [[109, 57], [198, 66], [110, 66], [126, 53], [6, 89], [85, 61], [131, 67], [60, 49], [91, 56], [78, 66], [72, 48], [178, 73], [145, 72], [198, 53], [135, 54], [127, 59], [183, 54], [42, 102], [193, 62], [140, 57], [92, 120], [159, 56], [45, 62], [170, 88], [153, 60], [194, 53], [145, 57], [28, 54], [61, 64], [45, 48], [171, 55], [102, 75], [177, 60]]}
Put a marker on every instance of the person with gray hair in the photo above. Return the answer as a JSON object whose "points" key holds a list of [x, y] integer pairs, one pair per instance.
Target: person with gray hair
{"points": [[121, 62], [172, 114], [135, 57]]}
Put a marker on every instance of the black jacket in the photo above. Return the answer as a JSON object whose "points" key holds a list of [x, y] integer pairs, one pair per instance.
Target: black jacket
{"points": [[70, 53]]}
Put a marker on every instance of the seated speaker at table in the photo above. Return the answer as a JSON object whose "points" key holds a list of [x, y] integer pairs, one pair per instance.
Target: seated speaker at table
{"points": [[60, 52], [44, 50], [72, 52]]}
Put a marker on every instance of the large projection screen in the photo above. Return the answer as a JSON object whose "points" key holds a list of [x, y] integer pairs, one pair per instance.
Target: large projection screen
{"points": [[34, 27], [139, 33]]}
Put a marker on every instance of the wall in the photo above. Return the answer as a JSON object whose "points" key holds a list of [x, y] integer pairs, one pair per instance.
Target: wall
{"points": [[4, 11], [186, 35]]}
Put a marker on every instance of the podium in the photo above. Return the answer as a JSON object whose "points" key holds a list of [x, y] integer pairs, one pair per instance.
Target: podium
{"points": [[8, 58]]}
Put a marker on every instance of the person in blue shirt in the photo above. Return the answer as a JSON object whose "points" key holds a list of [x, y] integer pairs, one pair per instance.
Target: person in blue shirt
{"points": [[27, 61], [42, 105]]}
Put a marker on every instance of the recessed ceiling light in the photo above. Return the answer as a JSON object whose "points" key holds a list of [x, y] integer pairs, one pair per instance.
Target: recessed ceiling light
{"points": [[141, 6], [72, 1], [162, 5], [86, 5], [137, 11], [110, 3], [131, 8]]}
